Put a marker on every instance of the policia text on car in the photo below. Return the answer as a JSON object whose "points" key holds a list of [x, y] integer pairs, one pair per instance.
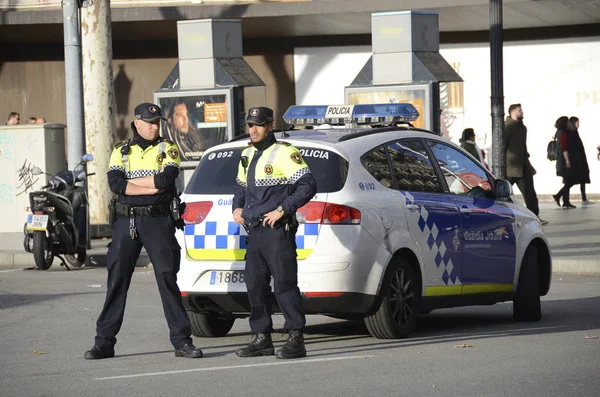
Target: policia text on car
{"points": [[273, 181], [142, 173]]}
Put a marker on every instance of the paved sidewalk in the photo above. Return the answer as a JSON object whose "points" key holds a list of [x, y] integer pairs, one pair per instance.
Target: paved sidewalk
{"points": [[574, 237]]}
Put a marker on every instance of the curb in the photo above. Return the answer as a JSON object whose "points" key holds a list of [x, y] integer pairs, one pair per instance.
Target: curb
{"points": [[25, 259]]}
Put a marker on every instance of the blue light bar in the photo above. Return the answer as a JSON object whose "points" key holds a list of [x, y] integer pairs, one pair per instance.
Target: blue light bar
{"points": [[384, 113], [368, 114], [305, 115]]}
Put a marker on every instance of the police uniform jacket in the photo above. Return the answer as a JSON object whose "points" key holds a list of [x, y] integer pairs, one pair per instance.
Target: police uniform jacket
{"points": [[139, 158], [276, 175]]}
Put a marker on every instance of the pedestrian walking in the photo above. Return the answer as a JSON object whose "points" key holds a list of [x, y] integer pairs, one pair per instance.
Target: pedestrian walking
{"points": [[518, 167], [572, 165]]}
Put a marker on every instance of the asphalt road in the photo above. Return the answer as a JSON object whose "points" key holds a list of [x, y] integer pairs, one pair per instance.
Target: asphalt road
{"points": [[47, 321]]}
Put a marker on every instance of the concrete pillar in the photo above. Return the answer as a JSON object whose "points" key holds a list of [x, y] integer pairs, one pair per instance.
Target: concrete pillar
{"points": [[99, 103]]}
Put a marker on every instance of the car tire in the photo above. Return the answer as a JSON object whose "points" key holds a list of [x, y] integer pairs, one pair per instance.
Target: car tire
{"points": [[527, 305], [399, 297], [209, 325]]}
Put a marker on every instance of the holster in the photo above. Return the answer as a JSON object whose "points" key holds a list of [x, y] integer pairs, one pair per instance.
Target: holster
{"points": [[176, 208], [112, 212]]}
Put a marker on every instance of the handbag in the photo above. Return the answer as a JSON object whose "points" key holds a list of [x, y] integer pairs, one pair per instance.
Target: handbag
{"points": [[552, 151]]}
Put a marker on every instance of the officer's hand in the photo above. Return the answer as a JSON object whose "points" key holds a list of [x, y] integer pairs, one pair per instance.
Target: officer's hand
{"points": [[237, 216], [272, 217]]}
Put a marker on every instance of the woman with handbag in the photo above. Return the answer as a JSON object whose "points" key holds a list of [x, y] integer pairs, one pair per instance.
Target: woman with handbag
{"points": [[571, 164], [561, 129]]}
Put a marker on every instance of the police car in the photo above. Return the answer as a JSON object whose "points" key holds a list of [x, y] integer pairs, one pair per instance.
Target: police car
{"points": [[404, 222]]}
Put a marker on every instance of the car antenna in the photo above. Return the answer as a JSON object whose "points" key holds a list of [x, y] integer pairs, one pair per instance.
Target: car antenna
{"points": [[284, 132]]}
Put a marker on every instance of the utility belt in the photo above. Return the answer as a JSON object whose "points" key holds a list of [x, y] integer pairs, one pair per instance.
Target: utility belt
{"points": [[117, 210], [286, 222], [129, 211]]}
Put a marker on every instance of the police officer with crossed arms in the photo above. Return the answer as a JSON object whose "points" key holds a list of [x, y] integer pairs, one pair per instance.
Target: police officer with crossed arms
{"points": [[273, 181], [142, 172]]}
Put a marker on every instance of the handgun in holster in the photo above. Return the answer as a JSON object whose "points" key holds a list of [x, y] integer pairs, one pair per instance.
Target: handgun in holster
{"points": [[176, 208], [112, 212]]}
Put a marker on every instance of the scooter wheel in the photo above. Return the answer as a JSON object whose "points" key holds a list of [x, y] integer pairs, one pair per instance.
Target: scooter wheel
{"points": [[42, 252], [78, 259]]}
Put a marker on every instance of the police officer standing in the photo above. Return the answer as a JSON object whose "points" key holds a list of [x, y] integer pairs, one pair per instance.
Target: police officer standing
{"points": [[142, 173], [273, 181]]}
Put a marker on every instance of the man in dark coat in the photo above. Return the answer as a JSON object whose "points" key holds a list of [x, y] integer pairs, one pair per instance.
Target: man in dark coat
{"points": [[518, 168]]}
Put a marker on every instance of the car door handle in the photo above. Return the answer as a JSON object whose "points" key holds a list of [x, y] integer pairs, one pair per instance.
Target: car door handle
{"points": [[465, 210], [412, 207]]}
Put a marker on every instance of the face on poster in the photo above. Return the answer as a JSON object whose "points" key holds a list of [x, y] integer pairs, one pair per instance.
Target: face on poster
{"points": [[195, 123], [414, 97]]}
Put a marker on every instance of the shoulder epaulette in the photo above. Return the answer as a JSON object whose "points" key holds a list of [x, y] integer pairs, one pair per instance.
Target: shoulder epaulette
{"points": [[122, 143], [284, 143]]}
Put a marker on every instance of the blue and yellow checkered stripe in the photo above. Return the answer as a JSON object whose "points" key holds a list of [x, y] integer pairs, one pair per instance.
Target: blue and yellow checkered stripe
{"points": [[227, 240]]}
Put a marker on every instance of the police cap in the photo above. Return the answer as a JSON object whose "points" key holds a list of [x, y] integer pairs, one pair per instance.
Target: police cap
{"points": [[259, 115], [148, 112]]}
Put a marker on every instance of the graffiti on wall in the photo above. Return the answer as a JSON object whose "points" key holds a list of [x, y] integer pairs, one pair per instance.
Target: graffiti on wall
{"points": [[26, 177]]}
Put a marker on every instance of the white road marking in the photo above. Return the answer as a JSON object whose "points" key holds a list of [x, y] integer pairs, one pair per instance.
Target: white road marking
{"points": [[234, 367], [10, 270]]}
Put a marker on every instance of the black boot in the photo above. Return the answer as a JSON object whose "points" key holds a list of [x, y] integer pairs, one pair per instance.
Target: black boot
{"points": [[189, 351], [294, 347], [99, 352], [261, 345]]}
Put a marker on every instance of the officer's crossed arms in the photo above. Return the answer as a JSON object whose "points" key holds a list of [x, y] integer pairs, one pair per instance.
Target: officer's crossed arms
{"points": [[167, 163]]}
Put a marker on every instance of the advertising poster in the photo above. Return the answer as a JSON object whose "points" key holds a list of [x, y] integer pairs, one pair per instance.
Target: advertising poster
{"points": [[195, 123]]}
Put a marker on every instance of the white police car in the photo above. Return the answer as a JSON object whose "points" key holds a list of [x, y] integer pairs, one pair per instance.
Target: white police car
{"points": [[404, 222]]}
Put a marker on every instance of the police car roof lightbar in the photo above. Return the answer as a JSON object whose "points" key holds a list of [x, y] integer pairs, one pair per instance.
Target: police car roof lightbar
{"points": [[366, 114]]}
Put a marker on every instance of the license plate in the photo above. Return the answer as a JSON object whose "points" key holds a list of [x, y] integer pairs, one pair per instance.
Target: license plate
{"points": [[220, 278], [37, 222]]}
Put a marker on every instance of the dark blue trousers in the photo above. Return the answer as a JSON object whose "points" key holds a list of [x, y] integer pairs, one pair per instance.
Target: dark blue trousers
{"points": [[272, 252], [157, 235]]}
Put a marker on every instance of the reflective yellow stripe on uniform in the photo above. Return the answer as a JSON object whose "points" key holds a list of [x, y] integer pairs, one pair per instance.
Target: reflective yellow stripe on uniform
{"points": [[144, 162], [279, 164]]}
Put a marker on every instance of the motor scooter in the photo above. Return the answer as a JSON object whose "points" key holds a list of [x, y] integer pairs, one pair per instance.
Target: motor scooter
{"points": [[57, 224]]}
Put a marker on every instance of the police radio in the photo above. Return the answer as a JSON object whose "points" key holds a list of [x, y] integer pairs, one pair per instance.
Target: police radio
{"points": [[245, 163]]}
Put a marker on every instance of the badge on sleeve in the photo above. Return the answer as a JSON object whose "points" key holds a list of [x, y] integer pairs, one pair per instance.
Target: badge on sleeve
{"points": [[268, 169], [296, 157], [173, 153], [160, 158]]}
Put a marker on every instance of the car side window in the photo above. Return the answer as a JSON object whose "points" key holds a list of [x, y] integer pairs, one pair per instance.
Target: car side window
{"points": [[463, 175], [376, 162], [412, 168]]}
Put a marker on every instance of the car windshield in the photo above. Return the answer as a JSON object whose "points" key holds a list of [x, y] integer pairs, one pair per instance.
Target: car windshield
{"points": [[217, 171]]}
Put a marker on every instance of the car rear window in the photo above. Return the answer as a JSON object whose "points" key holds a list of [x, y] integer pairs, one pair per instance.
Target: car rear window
{"points": [[217, 171]]}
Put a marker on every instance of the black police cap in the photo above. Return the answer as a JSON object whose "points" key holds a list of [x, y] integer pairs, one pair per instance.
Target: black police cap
{"points": [[148, 112], [259, 115]]}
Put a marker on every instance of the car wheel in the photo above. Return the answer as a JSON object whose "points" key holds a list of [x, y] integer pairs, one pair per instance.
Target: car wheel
{"points": [[399, 307], [209, 324], [526, 305]]}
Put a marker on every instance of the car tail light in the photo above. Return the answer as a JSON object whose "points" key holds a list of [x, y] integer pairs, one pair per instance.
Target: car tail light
{"points": [[196, 212], [328, 213]]}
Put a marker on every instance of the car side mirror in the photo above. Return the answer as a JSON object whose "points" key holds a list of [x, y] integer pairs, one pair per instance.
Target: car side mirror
{"points": [[502, 188]]}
